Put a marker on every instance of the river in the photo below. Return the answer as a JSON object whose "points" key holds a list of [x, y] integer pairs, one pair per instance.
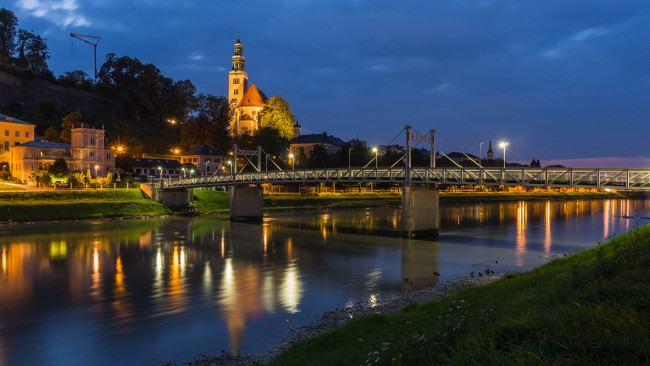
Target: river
{"points": [[150, 291]]}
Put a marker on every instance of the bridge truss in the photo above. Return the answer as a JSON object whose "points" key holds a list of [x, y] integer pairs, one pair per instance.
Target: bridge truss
{"points": [[622, 179]]}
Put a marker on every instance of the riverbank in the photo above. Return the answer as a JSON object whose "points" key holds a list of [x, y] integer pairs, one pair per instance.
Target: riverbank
{"points": [[75, 205], [95, 204], [589, 308]]}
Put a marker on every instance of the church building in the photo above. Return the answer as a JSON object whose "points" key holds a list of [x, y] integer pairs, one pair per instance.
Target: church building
{"points": [[247, 101]]}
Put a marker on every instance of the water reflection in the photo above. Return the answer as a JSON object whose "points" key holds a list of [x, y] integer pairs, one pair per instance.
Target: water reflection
{"points": [[179, 281]]}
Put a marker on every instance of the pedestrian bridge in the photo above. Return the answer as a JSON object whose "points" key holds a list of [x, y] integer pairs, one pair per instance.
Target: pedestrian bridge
{"points": [[620, 179]]}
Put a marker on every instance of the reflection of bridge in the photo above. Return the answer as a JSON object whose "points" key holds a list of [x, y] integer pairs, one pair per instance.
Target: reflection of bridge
{"points": [[627, 179], [419, 204]]}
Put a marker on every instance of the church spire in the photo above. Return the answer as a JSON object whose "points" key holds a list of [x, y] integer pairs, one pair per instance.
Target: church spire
{"points": [[238, 61]]}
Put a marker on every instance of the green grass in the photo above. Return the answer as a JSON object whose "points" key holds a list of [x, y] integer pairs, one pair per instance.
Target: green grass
{"points": [[590, 308], [70, 205], [6, 187], [209, 202]]}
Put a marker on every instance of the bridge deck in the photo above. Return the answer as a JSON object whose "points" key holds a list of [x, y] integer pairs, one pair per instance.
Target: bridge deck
{"points": [[627, 179]]}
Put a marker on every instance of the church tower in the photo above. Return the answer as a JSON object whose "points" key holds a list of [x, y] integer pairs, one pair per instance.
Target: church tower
{"points": [[490, 153], [237, 78]]}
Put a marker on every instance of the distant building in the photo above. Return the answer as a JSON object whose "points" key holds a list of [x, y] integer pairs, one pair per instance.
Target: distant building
{"points": [[145, 167], [86, 151], [247, 102], [203, 157], [13, 132], [307, 142], [490, 153]]}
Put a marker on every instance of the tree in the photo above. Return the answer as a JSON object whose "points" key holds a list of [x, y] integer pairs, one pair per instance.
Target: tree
{"points": [[209, 124], [318, 157], [75, 78], [277, 115], [52, 134], [132, 85], [36, 52], [177, 98], [59, 171], [8, 23], [271, 141], [69, 122]]}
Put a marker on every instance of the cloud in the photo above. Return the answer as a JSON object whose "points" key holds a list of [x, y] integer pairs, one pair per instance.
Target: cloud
{"points": [[196, 56], [60, 12], [587, 34]]}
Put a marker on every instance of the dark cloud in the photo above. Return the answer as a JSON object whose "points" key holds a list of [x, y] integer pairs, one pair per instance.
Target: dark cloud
{"points": [[558, 79]]}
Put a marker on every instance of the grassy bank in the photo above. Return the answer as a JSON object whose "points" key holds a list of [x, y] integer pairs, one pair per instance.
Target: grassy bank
{"points": [[217, 202], [70, 205], [590, 308]]}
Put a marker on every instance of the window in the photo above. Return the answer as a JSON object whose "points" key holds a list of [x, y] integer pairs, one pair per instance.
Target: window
{"points": [[92, 154], [6, 145], [92, 141], [108, 156], [235, 81], [194, 160], [236, 91], [34, 154], [17, 133], [26, 135], [6, 132]]}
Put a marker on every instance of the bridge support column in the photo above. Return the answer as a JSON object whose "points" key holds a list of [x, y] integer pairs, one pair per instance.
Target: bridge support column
{"points": [[420, 212], [245, 203]]}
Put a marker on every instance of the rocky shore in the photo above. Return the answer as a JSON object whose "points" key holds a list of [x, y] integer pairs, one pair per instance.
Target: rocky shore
{"points": [[338, 317]]}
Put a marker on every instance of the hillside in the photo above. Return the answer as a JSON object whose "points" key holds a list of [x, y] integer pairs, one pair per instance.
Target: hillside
{"points": [[45, 102]]}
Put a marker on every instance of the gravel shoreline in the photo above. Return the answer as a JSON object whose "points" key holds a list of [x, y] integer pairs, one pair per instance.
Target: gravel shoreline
{"points": [[337, 317]]}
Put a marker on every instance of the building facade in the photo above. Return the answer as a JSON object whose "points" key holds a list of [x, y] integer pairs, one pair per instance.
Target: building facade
{"points": [[330, 143], [204, 158], [13, 132], [86, 152], [246, 102]]}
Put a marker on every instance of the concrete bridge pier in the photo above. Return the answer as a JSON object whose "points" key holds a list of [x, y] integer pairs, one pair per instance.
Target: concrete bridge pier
{"points": [[420, 212], [246, 203], [177, 197]]}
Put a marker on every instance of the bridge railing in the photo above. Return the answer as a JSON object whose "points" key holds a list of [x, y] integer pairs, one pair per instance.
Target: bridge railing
{"points": [[637, 179]]}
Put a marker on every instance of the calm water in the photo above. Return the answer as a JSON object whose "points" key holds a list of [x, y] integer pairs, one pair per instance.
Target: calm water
{"points": [[146, 292]]}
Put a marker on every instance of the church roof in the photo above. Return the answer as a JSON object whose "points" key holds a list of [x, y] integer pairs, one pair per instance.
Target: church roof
{"points": [[201, 149], [253, 97], [317, 139]]}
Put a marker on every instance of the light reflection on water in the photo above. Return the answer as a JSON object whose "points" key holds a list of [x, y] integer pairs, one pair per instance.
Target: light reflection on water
{"points": [[159, 289]]}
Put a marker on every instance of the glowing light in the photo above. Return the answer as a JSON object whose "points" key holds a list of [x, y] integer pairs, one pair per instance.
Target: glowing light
{"points": [[291, 289], [4, 259]]}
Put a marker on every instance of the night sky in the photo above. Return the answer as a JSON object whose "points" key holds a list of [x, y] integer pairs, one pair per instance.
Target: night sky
{"points": [[557, 79]]}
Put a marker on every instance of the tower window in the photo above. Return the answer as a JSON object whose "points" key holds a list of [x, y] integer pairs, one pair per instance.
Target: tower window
{"points": [[235, 81], [236, 91]]}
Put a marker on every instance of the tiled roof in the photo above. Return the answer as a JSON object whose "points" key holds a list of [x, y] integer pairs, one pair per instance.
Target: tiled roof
{"points": [[317, 139], [202, 149], [253, 97], [5, 118], [46, 144], [155, 163]]}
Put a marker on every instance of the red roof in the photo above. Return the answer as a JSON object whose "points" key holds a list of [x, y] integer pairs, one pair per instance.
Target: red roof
{"points": [[253, 98]]}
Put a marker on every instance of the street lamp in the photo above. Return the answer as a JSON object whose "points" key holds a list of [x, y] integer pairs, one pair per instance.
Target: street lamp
{"points": [[479, 152], [229, 162], [96, 167], [293, 162], [160, 178], [374, 149], [183, 169], [504, 144]]}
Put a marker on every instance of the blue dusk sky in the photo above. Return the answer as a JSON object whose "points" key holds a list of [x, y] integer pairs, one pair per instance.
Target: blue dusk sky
{"points": [[557, 79]]}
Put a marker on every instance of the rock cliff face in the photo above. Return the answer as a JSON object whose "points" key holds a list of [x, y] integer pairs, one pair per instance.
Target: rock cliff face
{"points": [[29, 91]]}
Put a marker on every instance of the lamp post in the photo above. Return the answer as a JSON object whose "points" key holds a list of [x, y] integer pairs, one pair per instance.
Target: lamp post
{"points": [[504, 144], [161, 170], [183, 169], [293, 162], [374, 149], [229, 162], [96, 167], [206, 167], [479, 152]]}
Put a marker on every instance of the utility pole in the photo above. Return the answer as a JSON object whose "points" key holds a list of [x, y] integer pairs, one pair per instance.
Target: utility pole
{"points": [[91, 40]]}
